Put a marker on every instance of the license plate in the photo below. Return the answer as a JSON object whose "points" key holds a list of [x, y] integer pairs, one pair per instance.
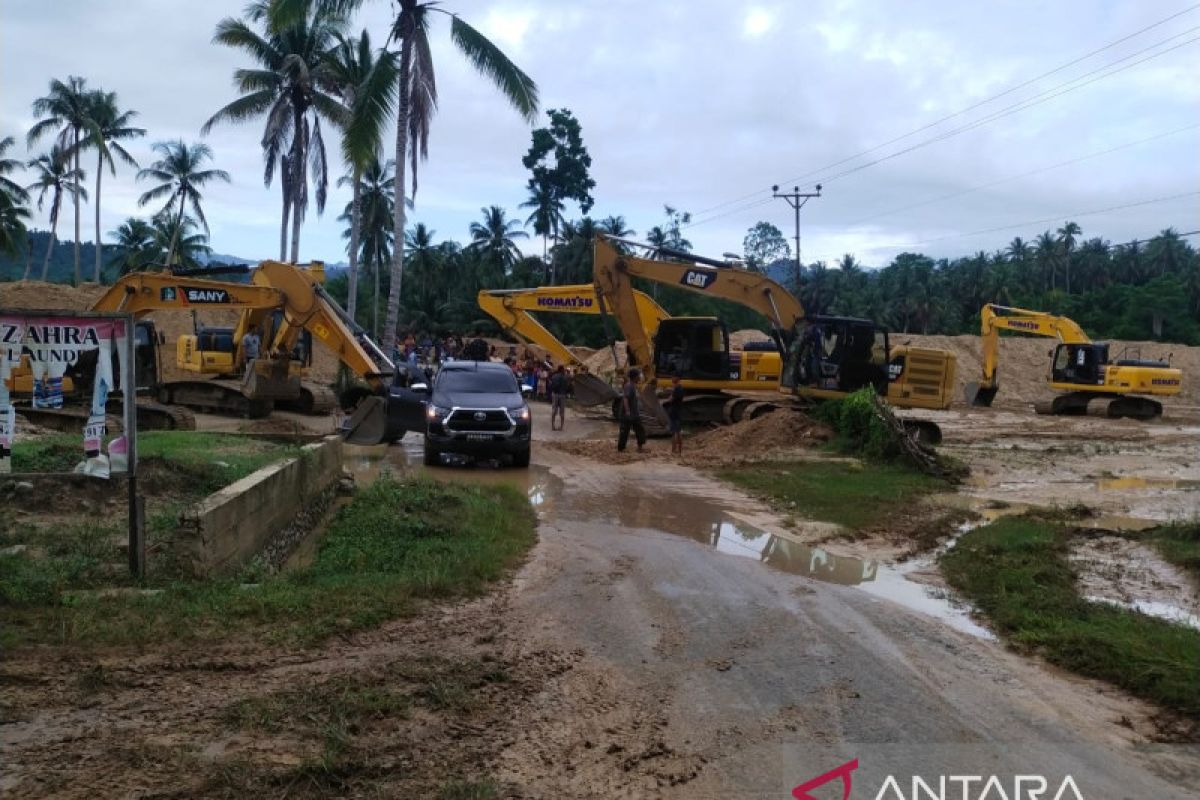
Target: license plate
{"points": [[479, 437]]}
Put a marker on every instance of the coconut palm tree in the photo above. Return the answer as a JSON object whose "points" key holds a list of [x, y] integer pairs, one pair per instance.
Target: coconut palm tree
{"points": [[180, 177], [110, 126], [1066, 241], [8, 187], [290, 87], [13, 234], [493, 238], [136, 246], [417, 89], [366, 81], [55, 176], [181, 233], [375, 224], [615, 226], [67, 108], [1046, 250], [547, 215]]}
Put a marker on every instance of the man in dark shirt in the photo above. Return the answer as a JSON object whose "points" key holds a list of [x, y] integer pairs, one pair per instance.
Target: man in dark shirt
{"points": [[675, 416], [559, 383], [630, 417]]}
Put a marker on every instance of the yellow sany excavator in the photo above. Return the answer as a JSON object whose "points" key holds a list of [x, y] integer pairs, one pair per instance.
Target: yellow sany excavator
{"points": [[825, 356], [1080, 368], [513, 309]]}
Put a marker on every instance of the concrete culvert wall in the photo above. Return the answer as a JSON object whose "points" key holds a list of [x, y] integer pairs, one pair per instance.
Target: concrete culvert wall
{"points": [[264, 515]]}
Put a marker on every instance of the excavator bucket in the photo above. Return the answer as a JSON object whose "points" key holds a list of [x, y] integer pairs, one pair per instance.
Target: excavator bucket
{"points": [[591, 390], [271, 379], [368, 423], [977, 395], [654, 416]]}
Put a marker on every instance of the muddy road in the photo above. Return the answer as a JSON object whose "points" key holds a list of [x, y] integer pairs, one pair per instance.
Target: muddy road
{"points": [[672, 637]]}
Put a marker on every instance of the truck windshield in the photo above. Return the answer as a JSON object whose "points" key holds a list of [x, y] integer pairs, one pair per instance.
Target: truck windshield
{"points": [[481, 382]]}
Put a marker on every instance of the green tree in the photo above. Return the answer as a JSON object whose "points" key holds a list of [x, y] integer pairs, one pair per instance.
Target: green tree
{"points": [[8, 187], [1046, 252], [493, 239], [418, 101], [376, 195], [136, 246], [366, 81], [559, 163], [1066, 243], [764, 245], [180, 178], [55, 176], [615, 226], [67, 108], [13, 213], [181, 234], [291, 86], [110, 126]]}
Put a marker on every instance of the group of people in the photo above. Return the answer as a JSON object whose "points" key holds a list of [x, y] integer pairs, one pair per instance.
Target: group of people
{"points": [[546, 382]]}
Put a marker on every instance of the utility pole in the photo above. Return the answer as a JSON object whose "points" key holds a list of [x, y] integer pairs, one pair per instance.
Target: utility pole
{"points": [[796, 199]]}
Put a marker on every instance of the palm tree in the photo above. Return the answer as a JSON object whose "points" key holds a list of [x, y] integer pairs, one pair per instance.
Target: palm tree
{"points": [[1168, 251], [546, 217], [1046, 250], [615, 226], [493, 238], [180, 176], [56, 176], [421, 256], [136, 246], [367, 84], [110, 127], [8, 187], [1066, 240], [13, 214], [375, 224], [418, 101], [66, 107], [181, 233], [290, 87]]}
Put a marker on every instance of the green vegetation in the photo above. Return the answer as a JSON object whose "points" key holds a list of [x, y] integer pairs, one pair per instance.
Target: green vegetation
{"points": [[1179, 543], [850, 494], [1016, 571], [394, 544], [859, 429]]}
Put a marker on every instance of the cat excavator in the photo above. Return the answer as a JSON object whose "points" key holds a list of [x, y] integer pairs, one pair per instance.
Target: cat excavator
{"points": [[824, 357], [1081, 370], [512, 308]]}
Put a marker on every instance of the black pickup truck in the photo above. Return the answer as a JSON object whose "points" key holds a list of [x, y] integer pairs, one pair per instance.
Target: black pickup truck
{"points": [[473, 408]]}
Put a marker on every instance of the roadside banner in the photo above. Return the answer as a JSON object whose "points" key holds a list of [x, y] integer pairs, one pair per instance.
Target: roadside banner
{"points": [[37, 349]]}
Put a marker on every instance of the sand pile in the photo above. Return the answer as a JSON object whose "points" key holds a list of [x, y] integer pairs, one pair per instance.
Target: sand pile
{"points": [[1024, 366], [600, 362], [738, 339], [780, 435]]}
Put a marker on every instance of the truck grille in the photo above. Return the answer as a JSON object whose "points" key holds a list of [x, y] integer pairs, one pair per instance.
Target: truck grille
{"points": [[466, 420]]}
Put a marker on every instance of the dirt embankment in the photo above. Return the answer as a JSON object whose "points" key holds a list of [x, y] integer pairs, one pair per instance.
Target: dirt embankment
{"points": [[1024, 365], [781, 435], [170, 324]]}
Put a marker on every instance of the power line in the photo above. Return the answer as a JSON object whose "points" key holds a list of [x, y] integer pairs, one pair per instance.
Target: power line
{"points": [[1028, 174], [1029, 223], [967, 109]]}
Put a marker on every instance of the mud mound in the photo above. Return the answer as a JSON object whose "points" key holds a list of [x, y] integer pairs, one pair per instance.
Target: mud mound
{"points": [[1024, 366], [779, 435], [738, 339], [51, 296]]}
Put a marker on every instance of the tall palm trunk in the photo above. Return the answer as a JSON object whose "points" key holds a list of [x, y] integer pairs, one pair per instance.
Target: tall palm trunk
{"points": [[75, 195], [28, 257], [375, 309], [393, 305], [284, 178], [99, 174], [175, 233], [53, 232], [299, 180], [355, 233]]}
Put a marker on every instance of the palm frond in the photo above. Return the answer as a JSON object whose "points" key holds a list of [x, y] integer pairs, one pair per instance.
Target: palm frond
{"points": [[491, 62]]}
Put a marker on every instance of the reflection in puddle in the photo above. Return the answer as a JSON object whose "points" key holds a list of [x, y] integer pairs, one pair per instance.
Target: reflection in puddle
{"points": [[785, 555], [1147, 483], [1153, 608]]}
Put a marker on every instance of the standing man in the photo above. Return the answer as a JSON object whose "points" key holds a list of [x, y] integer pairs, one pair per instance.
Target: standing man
{"points": [[675, 416], [251, 344], [630, 418], [558, 398]]}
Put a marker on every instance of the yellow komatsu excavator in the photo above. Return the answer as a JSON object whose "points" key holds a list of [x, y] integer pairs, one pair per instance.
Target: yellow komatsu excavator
{"points": [[512, 309], [1081, 369], [825, 356]]}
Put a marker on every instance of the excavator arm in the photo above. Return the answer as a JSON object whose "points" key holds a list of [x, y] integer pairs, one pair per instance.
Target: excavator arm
{"points": [[613, 272], [995, 318]]}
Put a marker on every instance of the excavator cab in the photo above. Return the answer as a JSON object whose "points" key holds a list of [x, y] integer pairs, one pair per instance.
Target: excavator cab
{"points": [[694, 348], [1079, 363], [838, 354]]}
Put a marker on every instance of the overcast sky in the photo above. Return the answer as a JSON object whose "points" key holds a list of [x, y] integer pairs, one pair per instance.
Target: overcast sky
{"points": [[702, 103]]}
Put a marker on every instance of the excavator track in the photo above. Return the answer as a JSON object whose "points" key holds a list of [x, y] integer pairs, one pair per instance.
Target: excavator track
{"points": [[152, 416], [214, 396], [314, 399]]}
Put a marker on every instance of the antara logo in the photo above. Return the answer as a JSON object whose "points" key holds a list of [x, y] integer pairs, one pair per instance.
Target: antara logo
{"points": [[698, 278], [194, 295], [565, 302], [948, 787]]}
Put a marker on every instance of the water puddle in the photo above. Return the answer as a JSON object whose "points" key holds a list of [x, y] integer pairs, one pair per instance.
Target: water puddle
{"points": [[1118, 484]]}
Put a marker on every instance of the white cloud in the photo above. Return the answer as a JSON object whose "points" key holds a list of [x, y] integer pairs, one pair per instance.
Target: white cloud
{"points": [[757, 22]]}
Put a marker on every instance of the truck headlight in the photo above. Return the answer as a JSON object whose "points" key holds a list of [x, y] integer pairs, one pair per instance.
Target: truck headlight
{"points": [[523, 413], [436, 413]]}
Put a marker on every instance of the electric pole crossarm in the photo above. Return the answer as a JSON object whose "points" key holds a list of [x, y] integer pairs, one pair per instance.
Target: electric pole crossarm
{"points": [[796, 199]]}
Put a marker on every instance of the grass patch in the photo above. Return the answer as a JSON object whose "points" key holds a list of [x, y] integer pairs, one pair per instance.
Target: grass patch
{"points": [[1016, 571], [395, 543], [856, 496], [1178, 543]]}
